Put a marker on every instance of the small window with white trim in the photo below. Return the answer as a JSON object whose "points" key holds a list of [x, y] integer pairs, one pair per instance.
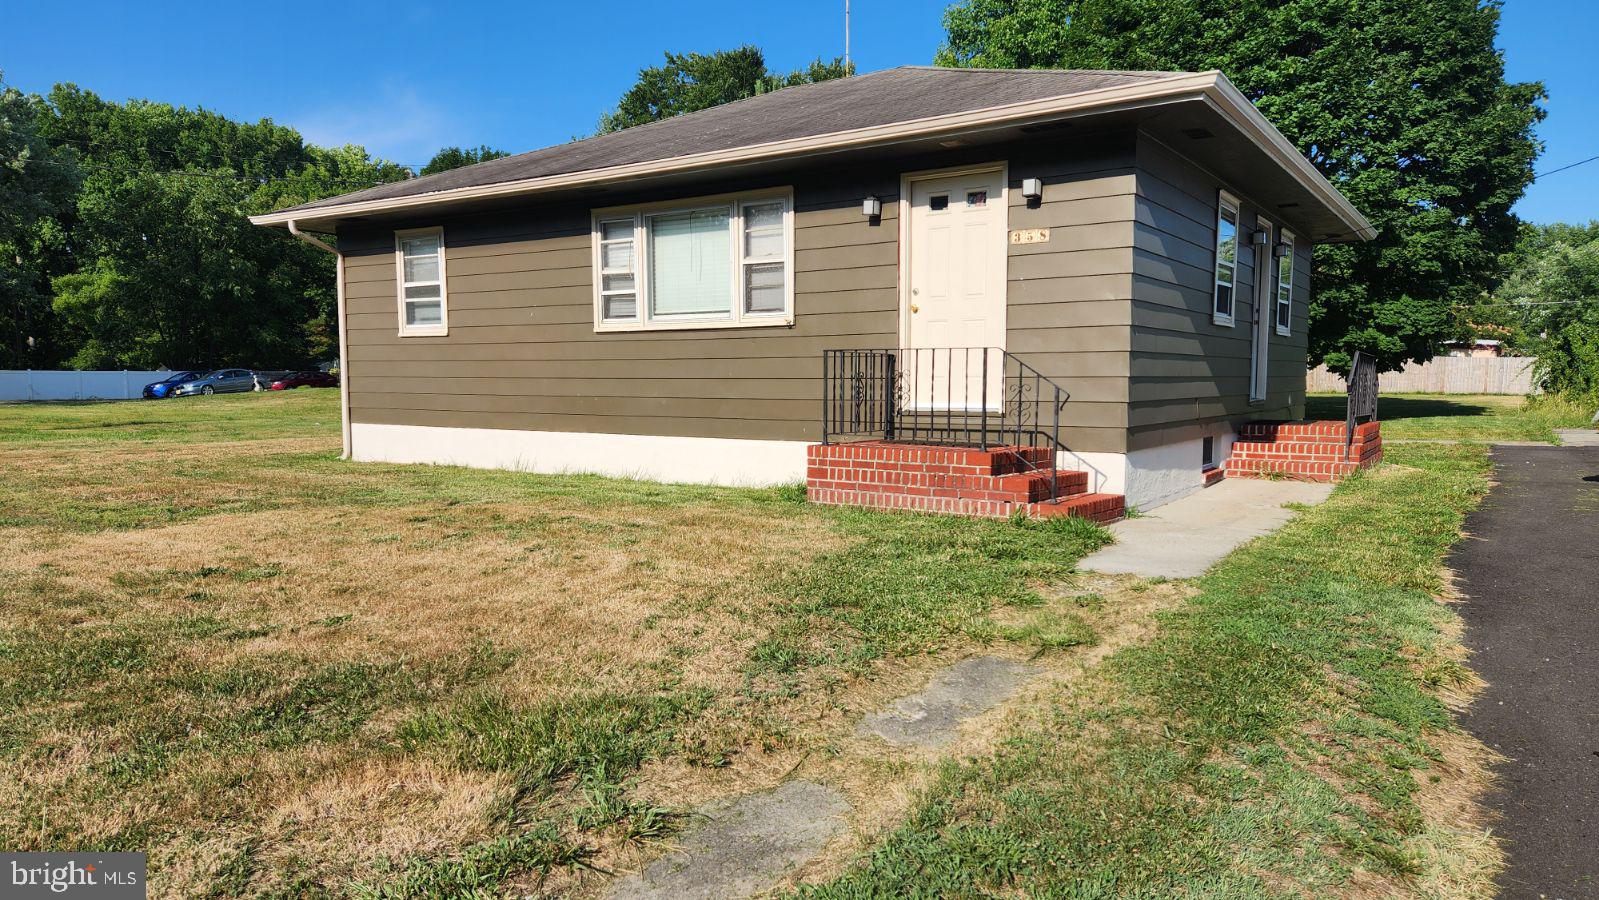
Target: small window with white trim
{"points": [[618, 285], [1226, 259], [419, 262], [1285, 282], [707, 263]]}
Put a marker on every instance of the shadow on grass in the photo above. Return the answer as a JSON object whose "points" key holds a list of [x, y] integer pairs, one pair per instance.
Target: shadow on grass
{"points": [[1389, 408]]}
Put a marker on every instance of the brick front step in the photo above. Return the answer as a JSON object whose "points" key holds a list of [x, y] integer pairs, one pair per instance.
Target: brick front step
{"points": [[1212, 476], [1101, 508], [1306, 432], [1308, 451], [1288, 449], [957, 480]]}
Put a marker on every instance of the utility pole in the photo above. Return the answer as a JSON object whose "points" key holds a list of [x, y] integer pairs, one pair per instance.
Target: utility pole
{"points": [[846, 35]]}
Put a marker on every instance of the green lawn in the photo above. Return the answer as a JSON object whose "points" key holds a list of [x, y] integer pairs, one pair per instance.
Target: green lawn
{"points": [[281, 674], [1462, 417], [1288, 731]]}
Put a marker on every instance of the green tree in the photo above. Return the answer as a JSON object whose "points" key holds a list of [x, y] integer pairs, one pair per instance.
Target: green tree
{"points": [[693, 81], [164, 267], [456, 157], [37, 182], [1402, 104], [1549, 304]]}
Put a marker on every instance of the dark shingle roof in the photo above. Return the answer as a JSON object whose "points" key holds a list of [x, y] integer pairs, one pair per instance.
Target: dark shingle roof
{"points": [[888, 97]]}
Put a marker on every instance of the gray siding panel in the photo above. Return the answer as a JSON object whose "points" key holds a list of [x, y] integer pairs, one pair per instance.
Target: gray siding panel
{"points": [[522, 352], [1186, 369]]}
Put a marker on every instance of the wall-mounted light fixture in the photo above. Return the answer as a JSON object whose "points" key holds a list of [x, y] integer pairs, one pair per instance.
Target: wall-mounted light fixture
{"points": [[871, 207], [1281, 249], [1259, 237], [1033, 188]]}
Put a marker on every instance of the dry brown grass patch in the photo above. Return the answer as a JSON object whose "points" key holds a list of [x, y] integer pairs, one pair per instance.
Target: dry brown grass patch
{"points": [[382, 809]]}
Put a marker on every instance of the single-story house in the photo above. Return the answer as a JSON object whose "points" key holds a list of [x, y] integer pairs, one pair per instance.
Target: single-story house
{"points": [[1118, 260]]}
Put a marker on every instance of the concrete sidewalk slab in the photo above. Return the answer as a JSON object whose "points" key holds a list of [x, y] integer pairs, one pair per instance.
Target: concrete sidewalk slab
{"points": [[931, 718], [1185, 537], [1577, 437], [744, 847]]}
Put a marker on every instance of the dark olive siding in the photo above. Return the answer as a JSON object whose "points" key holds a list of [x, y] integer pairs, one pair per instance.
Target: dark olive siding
{"points": [[1068, 297], [1187, 370], [522, 352]]}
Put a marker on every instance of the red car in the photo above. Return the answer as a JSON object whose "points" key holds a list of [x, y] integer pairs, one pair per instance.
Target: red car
{"points": [[305, 379]]}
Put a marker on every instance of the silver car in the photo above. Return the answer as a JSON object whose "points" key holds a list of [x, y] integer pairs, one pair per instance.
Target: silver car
{"points": [[221, 381]]}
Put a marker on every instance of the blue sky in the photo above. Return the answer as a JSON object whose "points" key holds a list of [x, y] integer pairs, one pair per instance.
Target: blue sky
{"points": [[404, 79]]}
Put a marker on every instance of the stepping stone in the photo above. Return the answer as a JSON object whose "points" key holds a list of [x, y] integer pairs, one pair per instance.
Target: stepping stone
{"points": [[931, 718], [747, 845]]}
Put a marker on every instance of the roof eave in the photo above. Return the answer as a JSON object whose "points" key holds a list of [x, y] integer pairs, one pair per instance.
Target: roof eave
{"points": [[1231, 103], [1212, 87]]}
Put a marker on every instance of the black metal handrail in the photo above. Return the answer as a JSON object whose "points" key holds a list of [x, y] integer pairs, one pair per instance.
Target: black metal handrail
{"points": [[1362, 401], [982, 397]]}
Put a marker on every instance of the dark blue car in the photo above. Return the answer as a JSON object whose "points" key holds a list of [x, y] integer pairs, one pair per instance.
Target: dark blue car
{"points": [[163, 388]]}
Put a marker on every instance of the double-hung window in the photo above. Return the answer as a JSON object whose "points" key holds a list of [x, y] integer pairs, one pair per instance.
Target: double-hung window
{"points": [[419, 261], [1285, 282], [716, 262], [1226, 259]]}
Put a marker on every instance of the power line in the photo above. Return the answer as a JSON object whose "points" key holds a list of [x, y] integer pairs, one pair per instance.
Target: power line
{"points": [[1579, 162]]}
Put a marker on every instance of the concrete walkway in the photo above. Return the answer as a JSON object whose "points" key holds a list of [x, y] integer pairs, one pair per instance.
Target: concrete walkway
{"points": [[1528, 570], [744, 847], [1578, 437], [1185, 537], [931, 718]]}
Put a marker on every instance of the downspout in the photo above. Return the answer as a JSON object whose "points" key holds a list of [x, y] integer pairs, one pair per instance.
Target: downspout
{"points": [[344, 343]]}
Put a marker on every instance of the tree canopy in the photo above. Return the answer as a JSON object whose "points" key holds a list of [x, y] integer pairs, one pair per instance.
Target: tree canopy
{"points": [[37, 182], [692, 81], [131, 244], [1403, 104], [456, 157], [1548, 306]]}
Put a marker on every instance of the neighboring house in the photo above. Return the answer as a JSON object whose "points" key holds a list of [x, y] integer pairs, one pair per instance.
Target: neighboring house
{"points": [[657, 301], [1479, 347]]}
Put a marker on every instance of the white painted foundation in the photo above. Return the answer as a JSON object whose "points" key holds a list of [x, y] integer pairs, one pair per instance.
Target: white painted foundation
{"points": [[691, 460], [1147, 478], [1152, 476]]}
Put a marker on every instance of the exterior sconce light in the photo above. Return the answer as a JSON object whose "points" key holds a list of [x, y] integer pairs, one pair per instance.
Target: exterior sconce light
{"points": [[1259, 237], [871, 207], [1033, 188], [1281, 249]]}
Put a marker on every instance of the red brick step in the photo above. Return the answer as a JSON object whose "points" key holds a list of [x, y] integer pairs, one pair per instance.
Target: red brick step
{"points": [[959, 480]]}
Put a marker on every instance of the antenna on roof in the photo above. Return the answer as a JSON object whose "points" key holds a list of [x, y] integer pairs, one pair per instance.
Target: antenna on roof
{"points": [[846, 36]]}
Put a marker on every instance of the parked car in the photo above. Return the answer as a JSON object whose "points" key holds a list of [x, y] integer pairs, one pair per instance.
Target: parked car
{"points": [[221, 381], [168, 385], [304, 379]]}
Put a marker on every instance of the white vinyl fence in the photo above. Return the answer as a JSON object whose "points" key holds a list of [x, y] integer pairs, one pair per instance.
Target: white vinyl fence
{"points": [[19, 384], [1444, 375]]}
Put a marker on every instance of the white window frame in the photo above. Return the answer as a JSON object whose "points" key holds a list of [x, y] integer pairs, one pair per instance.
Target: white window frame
{"points": [[644, 318], [1284, 236], [443, 326], [1225, 203]]}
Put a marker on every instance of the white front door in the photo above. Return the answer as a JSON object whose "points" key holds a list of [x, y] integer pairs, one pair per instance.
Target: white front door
{"points": [[956, 292]]}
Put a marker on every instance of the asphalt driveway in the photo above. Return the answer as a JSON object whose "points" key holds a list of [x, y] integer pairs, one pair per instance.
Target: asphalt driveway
{"points": [[1530, 568]]}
